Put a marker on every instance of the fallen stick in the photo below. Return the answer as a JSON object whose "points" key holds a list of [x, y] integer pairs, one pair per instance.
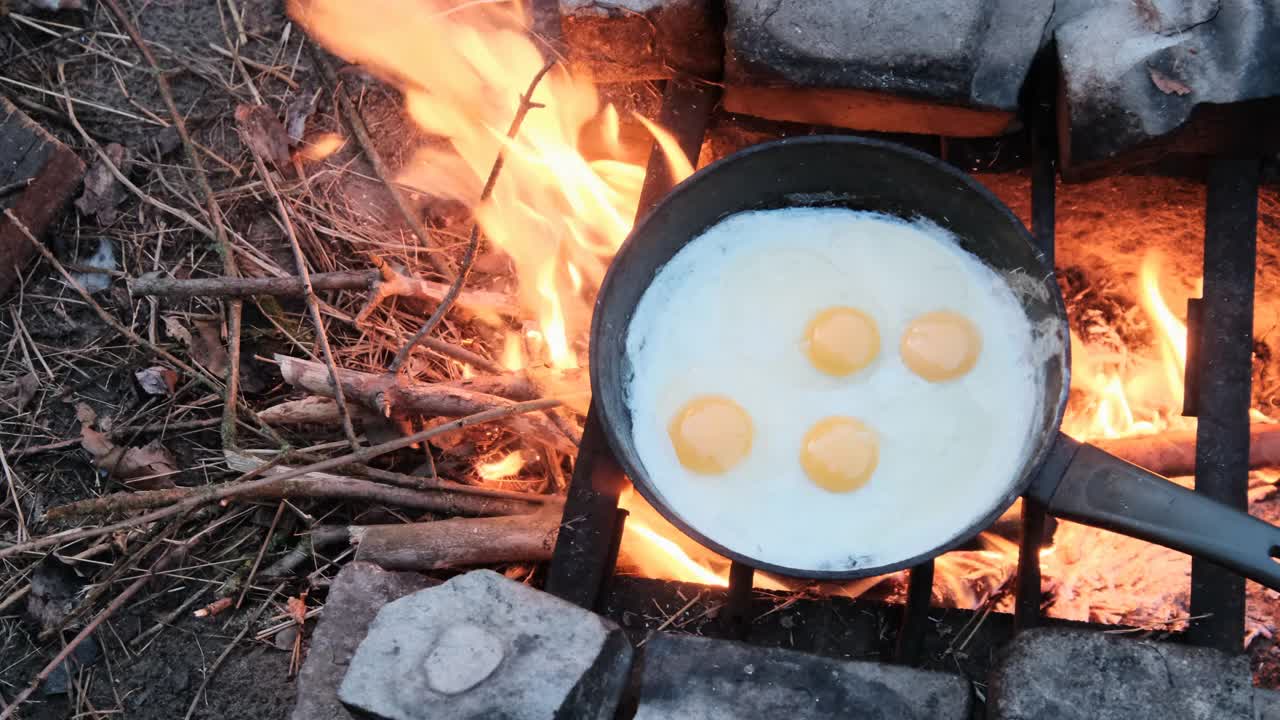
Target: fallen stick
{"points": [[155, 284], [214, 493], [386, 394], [1173, 454], [315, 485], [458, 543]]}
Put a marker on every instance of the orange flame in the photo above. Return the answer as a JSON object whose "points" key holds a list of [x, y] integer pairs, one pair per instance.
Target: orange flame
{"points": [[1131, 392], [508, 466], [463, 67]]}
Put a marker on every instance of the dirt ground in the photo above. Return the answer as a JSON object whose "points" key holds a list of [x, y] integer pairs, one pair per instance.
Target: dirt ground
{"points": [[152, 656]]}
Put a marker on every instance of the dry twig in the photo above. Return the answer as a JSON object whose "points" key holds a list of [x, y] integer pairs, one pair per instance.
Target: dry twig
{"points": [[244, 486]]}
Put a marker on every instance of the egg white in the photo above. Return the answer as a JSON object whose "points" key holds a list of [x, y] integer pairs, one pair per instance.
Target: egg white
{"points": [[727, 316]]}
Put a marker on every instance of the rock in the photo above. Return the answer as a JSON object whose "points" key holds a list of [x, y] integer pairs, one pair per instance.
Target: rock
{"points": [[697, 678], [1134, 71], [355, 596], [1266, 704], [481, 645], [621, 40], [38, 175], [952, 68], [1053, 674]]}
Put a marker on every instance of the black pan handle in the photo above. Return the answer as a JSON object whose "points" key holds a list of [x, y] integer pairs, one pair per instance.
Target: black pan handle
{"points": [[1083, 483]]}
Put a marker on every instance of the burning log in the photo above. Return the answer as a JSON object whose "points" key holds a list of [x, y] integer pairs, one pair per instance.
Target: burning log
{"points": [[458, 542], [383, 393], [1173, 454]]}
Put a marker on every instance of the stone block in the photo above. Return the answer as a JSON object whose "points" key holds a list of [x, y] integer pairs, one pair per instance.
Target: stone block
{"points": [[355, 596], [1136, 71], [481, 645], [1054, 674], [955, 66], [623, 40], [697, 678]]}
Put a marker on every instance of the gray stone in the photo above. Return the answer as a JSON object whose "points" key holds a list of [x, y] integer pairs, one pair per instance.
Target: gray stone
{"points": [[697, 678], [621, 40], [481, 645], [463, 657], [355, 596], [1135, 71], [1266, 704], [1053, 674], [938, 58]]}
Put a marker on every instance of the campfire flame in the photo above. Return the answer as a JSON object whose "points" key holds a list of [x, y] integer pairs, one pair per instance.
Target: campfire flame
{"points": [[1132, 392], [560, 212]]}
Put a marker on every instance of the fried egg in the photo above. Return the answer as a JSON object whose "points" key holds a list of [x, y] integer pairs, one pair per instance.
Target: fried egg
{"points": [[824, 390]]}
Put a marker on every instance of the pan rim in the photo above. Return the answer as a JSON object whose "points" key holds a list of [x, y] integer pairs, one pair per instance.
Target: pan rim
{"points": [[639, 477]]}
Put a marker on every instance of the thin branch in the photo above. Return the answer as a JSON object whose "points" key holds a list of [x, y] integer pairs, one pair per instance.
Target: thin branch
{"points": [[242, 486], [357, 126], [304, 274], [526, 104]]}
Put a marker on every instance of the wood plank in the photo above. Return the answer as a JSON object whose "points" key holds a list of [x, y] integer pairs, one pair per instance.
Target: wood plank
{"points": [[30, 154]]}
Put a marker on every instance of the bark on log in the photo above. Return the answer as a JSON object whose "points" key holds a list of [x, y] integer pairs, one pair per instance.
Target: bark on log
{"points": [[1173, 454], [381, 392], [458, 542], [158, 285]]}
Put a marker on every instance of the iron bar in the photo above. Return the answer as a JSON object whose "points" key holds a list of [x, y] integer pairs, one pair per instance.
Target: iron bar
{"points": [[1226, 372], [1026, 608], [736, 616], [686, 109], [914, 615], [591, 528]]}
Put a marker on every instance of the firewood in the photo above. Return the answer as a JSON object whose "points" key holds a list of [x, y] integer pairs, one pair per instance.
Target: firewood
{"points": [[476, 302], [383, 393], [459, 542], [1173, 453]]}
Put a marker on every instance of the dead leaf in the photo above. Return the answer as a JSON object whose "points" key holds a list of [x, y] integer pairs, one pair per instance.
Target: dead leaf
{"points": [[1166, 84], [55, 590], [207, 349], [18, 393], [261, 130], [157, 380], [176, 330], [102, 192], [85, 414], [297, 607], [149, 467]]}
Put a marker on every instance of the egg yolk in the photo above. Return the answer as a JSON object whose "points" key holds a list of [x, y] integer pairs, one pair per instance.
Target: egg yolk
{"points": [[711, 434], [839, 453], [940, 346], [841, 340]]}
